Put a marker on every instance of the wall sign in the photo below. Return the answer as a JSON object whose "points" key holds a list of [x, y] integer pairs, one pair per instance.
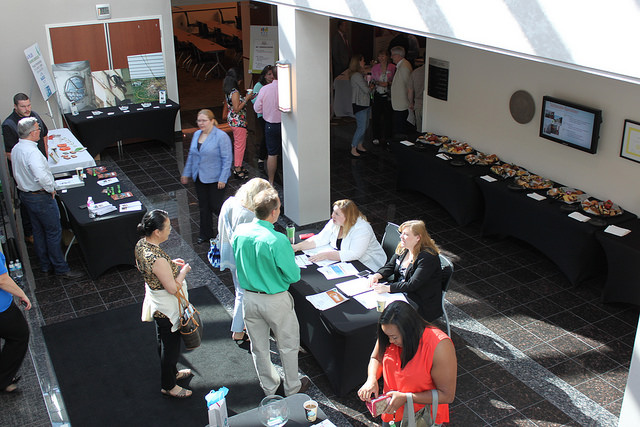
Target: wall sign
{"points": [[438, 85], [631, 141]]}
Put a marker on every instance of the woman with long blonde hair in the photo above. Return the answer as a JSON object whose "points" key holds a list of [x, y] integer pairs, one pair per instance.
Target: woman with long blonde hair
{"points": [[416, 270], [348, 237]]}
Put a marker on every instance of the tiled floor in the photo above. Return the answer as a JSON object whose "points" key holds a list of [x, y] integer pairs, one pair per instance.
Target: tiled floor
{"points": [[532, 349]]}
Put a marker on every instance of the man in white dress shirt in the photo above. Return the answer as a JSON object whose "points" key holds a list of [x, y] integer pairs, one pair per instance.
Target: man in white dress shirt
{"points": [[37, 193]]}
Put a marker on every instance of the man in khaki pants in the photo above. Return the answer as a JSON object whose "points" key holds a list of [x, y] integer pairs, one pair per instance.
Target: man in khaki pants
{"points": [[266, 267]]}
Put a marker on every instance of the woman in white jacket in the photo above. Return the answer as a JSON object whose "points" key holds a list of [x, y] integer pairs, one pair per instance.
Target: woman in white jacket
{"points": [[349, 236]]}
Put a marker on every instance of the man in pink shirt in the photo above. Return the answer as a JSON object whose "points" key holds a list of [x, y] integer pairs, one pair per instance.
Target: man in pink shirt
{"points": [[267, 104]]}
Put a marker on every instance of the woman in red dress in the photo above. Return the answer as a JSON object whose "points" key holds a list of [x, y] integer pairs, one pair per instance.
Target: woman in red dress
{"points": [[413, 357]]}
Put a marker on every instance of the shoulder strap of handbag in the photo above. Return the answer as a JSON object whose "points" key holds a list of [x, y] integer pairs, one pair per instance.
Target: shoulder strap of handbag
{"points": [[182, 301], [409, 415]]}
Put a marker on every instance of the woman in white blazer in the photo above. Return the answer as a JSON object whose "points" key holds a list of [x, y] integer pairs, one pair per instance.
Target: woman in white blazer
{"points": [[350, 237]]}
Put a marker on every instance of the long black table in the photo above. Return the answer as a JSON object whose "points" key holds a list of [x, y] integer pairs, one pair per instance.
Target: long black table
{"points": [[570, 244], [105, 241], [97, 132], [341, 338], [623, 276], [452, 186]]}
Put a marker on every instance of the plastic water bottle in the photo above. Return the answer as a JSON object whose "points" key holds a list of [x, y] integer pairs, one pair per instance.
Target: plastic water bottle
{"points": [[90, 204], [214, 253], [12, 270], [19, 274]]}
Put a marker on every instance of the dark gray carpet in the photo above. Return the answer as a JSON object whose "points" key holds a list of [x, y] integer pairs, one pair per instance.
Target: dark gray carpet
{"points": [[109, 370]]}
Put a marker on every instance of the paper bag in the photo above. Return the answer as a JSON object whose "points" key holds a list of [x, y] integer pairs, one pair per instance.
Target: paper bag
{"points": [[218, 414]]}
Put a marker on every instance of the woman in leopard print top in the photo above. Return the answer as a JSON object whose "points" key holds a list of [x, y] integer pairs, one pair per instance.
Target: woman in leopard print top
{"points": [[163, 277]]}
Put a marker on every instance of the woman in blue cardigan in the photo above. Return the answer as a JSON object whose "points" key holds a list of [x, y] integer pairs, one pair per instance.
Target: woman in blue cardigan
{"points": [[209, 165]]}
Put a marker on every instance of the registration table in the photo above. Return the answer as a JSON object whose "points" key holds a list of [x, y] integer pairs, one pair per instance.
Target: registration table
{"points": [[105, 241], [114, 124], [623, 275], [451, 186], [77, 155], [341, 338], [570, 244]]}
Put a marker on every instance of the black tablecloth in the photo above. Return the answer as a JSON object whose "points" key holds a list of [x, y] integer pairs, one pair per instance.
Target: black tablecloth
{"points": [[297, 414], [452, 186], [101, 131], [341, 338], [623, 277], [571, 244], [107, 240]]}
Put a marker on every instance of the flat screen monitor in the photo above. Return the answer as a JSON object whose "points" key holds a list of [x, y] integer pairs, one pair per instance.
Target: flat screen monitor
{"points": [[570, 124]]}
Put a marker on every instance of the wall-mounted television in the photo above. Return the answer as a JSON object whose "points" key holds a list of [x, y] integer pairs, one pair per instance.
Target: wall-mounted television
{"points": [[570, 124]]}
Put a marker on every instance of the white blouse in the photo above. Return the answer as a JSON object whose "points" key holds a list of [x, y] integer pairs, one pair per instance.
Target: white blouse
{"points": [[359, 244]]}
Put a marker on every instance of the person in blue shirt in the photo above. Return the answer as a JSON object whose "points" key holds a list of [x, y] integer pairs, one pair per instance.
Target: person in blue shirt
{"points": [[14, 329], [209, 165]]}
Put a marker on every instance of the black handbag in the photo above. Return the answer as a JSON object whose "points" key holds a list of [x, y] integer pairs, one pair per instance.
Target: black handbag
{"points": [[190, 323]]}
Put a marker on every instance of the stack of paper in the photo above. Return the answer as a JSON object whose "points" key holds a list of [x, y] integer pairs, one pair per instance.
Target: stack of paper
{"points": [[327, 299], [617, 231], [370, 299], [338, 270], [131, 206], [354, 287]]}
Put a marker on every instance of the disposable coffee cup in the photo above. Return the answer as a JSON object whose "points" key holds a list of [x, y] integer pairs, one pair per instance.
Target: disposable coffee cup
{"points": [[380, 305], [179, 262], [311, 409], [291, 233], [249, 91]]}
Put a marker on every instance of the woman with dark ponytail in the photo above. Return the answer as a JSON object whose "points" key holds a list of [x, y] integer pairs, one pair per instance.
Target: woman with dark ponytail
{"points": [[163, 277]]}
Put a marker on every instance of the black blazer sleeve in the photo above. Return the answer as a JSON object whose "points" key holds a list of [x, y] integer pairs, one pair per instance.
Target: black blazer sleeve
{"points": [[389, 268], [420, 274]]}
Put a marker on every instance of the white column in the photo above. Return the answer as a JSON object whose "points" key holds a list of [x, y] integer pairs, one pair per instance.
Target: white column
{"points": [[303, 40]]}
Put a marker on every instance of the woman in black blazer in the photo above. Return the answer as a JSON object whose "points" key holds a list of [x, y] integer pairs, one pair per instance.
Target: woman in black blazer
{"points": [[416, 270]]}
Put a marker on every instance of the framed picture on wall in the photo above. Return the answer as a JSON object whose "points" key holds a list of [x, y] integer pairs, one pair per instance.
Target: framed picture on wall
{"points": [[631, 141]]}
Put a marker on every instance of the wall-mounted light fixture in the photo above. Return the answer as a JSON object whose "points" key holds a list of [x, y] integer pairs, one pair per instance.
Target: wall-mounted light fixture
{"points": [[284, 86]]}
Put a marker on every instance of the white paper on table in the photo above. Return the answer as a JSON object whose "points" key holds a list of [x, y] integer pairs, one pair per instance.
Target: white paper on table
{"points": [[488, 178], [302, 261], [443, 156], [107, 181], [131, 206], [327, 299], [617, 231], [536, 196], [325, 262], [325, 423], [370, 299], [338, 270], [407, 143], [579, 217], [354, 286]]}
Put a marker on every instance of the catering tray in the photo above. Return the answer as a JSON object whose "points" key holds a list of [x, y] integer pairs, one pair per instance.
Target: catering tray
{"points": [[567, 195], [601, 208], [481, 159]]}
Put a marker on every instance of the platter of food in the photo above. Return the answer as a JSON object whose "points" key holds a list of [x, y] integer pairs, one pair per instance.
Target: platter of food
{"points": [[456, 148], [481, 159], [567, 194], [533, 182], [507, 170], [600, 208], [432, 139]]}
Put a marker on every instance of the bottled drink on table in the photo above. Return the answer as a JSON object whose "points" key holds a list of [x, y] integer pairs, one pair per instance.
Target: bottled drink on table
{"points": [[18, 273], [90, 205], [12, 270]]}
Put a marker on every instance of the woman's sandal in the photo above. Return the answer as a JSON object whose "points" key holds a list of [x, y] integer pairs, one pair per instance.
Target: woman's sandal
{"points": [[13, 386], [240, 174], [182, 394], [183, 373], [244, 339]]}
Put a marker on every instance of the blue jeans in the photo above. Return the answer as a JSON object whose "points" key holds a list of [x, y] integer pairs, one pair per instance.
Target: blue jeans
{"points": [[362, 122], [47, 232]]}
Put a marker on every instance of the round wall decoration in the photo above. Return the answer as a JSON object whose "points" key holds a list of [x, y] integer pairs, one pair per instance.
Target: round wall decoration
{"points": [[522, 106]]}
